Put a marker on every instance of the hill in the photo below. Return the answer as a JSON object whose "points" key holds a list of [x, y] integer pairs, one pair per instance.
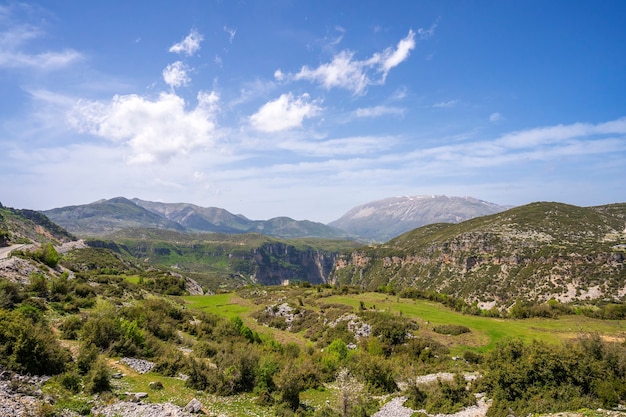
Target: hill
{"points": [[29, 226], [534, 253], [382, 220], [108, 216]]}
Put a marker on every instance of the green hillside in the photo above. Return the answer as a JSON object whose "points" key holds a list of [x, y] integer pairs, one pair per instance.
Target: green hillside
{"points": [[534, 252]]}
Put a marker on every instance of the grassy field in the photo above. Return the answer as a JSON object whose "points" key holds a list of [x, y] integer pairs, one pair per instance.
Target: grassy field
{"points": [[227, 305], [485, 331]]}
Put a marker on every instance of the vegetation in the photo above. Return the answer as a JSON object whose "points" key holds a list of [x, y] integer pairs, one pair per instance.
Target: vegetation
{"points": [[301, 349]]}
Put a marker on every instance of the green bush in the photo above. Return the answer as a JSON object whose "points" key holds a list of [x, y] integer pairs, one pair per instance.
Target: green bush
{"points": [[451, 329], [70, 328], [29, 347], [541, 378], [99, 377], [70, 381]]}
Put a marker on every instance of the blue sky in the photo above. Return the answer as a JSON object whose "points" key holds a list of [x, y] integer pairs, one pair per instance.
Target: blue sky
{"points": [[308, 108]]}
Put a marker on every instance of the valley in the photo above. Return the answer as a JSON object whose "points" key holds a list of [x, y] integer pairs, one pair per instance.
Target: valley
{"points": [[432, 322]]}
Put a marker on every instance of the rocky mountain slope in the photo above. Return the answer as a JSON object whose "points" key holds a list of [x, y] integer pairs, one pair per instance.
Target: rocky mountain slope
{"points": [[382, 220], [29, 226], [534, 252], [108, 216]]}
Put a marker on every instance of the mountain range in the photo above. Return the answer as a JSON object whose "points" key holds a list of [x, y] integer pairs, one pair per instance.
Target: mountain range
{"points": [[531, 253], [108, 216], [376, 221]]}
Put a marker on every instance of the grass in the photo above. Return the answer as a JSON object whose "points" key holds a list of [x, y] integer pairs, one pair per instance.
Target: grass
{"points": [[486, 331], [133, 279], [228, 305]]}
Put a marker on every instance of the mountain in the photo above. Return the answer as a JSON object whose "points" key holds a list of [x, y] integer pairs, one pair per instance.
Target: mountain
{"points": [[108, 216], [533, 253], [29, 226], [382, 220], [192, 217]]}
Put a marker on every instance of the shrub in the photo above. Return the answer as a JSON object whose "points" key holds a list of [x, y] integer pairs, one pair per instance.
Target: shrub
{"points": [[377, 373], [472, 357], [451, 329], [29, 347], [99, 378], [86, 357], [70, 328], [70, 381], [541, 378]]}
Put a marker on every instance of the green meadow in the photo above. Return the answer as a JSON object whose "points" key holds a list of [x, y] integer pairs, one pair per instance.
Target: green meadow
{"points": [[485, 332]]}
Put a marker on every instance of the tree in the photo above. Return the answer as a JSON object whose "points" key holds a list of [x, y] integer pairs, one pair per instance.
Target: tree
{"points": [[99, 377], [290, 383]]}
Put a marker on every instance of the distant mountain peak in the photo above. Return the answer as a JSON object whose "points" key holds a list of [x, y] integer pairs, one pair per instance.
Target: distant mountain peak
{"points": [[384, 219]]}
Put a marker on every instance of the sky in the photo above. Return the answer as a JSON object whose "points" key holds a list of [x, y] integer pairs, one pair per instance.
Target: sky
{"points": [[307, 109]]}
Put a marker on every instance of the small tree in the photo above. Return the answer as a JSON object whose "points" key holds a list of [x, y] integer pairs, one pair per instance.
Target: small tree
{"points": [[290, 383], [48, 255], [99, 378]]}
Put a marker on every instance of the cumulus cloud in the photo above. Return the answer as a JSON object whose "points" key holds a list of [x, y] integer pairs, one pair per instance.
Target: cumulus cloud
{"points": [[446, 104], [153, 130], [284, 113], [175, 74], [344, 71], [190, 45]]}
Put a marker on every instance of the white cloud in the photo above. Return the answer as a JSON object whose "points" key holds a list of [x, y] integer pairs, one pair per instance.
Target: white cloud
{"points": [[284, 113], [231, 33], [495, 117], [153, 130], [12, 55], [391, 58], [543, 136], [428, 33], [378, 111], [520, 148], [190, 45], [357, 145], [342, 72], [346, 72], [175, 74], [446, 104]]}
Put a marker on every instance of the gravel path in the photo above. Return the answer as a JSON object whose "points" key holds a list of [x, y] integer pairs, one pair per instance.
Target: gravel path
{"points": [[395, 408], [130, 409]]}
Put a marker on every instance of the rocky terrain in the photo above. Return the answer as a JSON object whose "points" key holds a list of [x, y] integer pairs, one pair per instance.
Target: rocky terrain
{"points": [[535, 252]]}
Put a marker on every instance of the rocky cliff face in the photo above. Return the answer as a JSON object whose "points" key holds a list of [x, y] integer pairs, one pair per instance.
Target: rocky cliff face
{"points": [[280, 262], [535, 253]]}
